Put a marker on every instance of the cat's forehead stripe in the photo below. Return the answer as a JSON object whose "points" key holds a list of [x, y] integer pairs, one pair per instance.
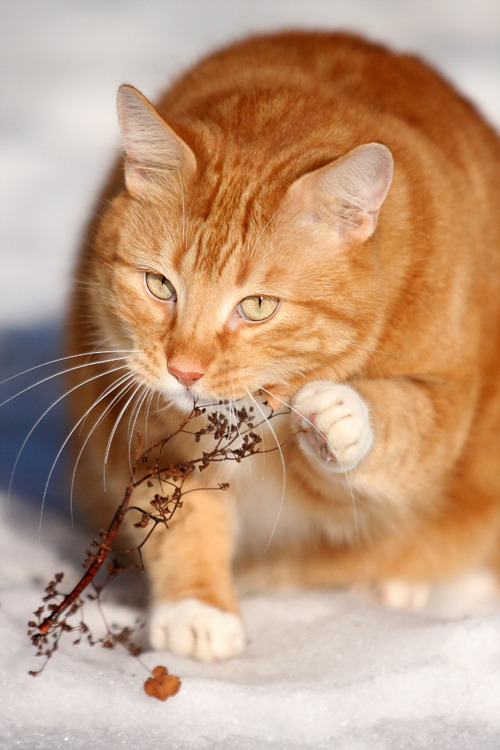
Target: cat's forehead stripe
{"points": [[230, 211], [224, 233]]}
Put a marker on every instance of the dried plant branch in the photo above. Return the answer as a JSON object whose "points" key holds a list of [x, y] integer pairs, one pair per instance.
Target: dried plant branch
{"points": [[95, 561], [232, 442]]}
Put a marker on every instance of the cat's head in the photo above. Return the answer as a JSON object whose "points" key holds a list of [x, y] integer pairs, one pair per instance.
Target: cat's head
{"points": [[227, 271]]}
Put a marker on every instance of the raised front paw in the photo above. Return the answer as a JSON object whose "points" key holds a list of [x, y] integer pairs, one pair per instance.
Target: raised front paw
{"points": [[192, 628], [336, 421]]}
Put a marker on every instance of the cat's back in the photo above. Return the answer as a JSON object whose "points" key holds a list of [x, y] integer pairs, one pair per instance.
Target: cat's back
{"points": [[300, 99], [338, 69]]}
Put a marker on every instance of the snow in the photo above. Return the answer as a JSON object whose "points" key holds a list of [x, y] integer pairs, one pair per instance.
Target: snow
{"points": [[321, 670]]}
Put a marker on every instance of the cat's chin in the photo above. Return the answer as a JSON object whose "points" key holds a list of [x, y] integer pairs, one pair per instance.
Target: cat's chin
{"points": [[186, 400]]}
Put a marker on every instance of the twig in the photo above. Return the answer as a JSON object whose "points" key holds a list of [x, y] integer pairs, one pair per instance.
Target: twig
{"points": [[99, 557]]}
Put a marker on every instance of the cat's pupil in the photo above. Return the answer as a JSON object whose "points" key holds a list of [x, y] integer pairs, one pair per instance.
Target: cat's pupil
{"points": [[258, 307]]}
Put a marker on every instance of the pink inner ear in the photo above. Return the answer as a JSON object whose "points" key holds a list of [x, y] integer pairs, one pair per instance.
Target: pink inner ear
{"points": [[153, 151], [138, 175], [346, 194]]}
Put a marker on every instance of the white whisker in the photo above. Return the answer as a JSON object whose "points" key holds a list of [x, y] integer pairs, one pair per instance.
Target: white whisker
{"points": [[131, 424], [160, 410], [58, 400], [80, 421], [282, 499], [134, 412], [63, 372], [232, 407], [147, 412], [124, 379], [115, 427], [63, 359]]}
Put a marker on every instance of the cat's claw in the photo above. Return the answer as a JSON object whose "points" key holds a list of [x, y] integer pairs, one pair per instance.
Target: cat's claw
{"points": [[337, 424], [192, 628]]}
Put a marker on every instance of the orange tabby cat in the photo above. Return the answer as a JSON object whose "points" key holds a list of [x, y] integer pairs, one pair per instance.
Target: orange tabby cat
{"points": [[312, 215]]}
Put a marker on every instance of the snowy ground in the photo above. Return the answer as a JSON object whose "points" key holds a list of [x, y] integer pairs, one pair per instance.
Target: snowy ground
{"points": [[321, 670]]}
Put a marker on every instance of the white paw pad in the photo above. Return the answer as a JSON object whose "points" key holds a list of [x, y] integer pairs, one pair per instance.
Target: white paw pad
{"points": [[337, 423], [192, 628]]}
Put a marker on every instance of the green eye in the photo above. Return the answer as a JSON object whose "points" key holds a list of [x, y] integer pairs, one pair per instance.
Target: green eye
{"points": [[258, 307], [160, 287]]}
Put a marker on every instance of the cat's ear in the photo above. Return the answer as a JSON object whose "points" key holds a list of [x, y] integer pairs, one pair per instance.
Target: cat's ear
{"points": [[347, 194], [154, 153]]}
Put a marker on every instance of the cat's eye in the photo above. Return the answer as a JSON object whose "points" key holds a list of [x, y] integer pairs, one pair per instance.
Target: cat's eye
{"points": [[258, 307], [160, 287]]}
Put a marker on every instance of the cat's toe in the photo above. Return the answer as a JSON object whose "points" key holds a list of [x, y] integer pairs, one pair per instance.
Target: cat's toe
{"points": [[192, 628], [336, 421]]}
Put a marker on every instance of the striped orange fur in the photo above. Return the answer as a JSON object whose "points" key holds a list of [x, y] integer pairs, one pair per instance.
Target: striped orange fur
{"points": [[359, 191]]}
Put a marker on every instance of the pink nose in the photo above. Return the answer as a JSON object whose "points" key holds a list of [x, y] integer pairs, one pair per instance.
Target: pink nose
{"points": [[184, 377]]}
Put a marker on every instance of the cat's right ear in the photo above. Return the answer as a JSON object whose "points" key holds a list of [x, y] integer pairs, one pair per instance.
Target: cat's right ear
{"points": [[347, 194], [154, 154]]}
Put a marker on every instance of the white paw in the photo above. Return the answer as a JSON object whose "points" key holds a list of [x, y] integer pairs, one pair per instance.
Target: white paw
{"points": [[192, 628], [340, 434], [396, 593], [473, 594]]}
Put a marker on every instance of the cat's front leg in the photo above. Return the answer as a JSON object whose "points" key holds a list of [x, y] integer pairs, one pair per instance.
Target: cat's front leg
{"points": [[194, 609], [336, 424], [400, 438]]}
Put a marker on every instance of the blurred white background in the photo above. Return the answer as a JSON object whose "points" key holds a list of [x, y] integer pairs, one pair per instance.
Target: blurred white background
{"points": [[321, 670], [62, 63]]}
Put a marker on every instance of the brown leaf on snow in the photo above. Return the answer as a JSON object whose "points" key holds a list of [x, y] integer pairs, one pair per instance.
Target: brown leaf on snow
{"points": [[162, 685]]}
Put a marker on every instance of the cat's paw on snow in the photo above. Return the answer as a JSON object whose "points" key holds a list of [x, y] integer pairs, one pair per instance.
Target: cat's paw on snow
{"points": [[396, 593], [190, 627], [336, 421]]}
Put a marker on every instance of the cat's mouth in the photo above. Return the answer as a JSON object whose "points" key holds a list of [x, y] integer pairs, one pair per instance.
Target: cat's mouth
{"points": [[186, 399]]}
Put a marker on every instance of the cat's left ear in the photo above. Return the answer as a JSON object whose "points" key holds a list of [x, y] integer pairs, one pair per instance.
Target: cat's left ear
{"points": [[346, 194], [154, 154]]}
